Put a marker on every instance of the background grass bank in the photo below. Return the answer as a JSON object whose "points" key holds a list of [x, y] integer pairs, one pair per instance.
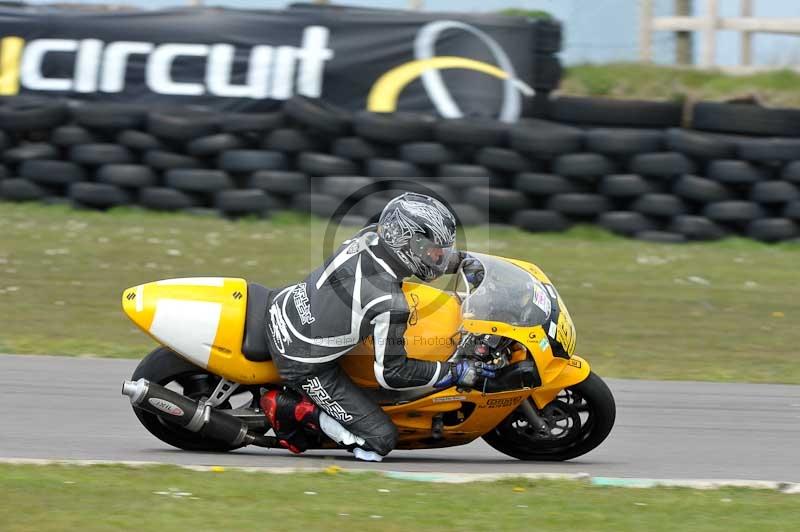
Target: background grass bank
{"points": [[44, 498], [725, 311]]}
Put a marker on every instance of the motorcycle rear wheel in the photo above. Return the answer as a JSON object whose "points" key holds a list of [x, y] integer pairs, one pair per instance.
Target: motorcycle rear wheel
{"points": [[163, 366], [516, 438]]}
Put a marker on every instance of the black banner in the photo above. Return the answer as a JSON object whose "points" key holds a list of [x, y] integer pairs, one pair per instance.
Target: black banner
{"points": [[241, 59]]}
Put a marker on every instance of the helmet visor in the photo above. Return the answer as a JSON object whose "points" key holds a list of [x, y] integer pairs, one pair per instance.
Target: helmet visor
{"points": [[433, 255]]}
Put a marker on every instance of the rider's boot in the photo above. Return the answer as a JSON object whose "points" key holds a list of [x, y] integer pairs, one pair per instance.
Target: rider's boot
{"points": [[290, 414]]}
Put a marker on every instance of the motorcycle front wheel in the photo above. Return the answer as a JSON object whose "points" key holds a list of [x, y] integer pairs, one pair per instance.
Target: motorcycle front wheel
{"points": [[577, 421]]}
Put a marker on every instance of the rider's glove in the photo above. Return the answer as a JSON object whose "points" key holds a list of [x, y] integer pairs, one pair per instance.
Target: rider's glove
{"points": [[473, 271], [465, 374]]}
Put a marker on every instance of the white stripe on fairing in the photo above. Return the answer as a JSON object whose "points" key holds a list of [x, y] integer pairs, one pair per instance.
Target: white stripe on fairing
{"points": [[139, 297], [189, 327], [195, 281], [552, 331]]}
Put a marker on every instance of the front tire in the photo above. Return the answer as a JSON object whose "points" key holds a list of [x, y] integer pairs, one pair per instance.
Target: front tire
{"points": [[582, 417], [163, 366]]}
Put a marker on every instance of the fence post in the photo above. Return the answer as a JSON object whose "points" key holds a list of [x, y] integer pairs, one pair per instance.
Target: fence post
{"points": [[746, 10], [710, 33], [646, 31], [683, 39]]}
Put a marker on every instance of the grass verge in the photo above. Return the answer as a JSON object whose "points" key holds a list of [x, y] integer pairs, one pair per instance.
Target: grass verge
{"points": [[725, 311], [44, 498], [777, 88]]}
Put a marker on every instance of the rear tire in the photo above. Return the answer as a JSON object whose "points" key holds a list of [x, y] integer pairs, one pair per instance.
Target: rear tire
{"points": [[519, 442], [164, 366]]}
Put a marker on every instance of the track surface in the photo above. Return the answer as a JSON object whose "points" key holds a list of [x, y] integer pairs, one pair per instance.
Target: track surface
{"points": [[71, 408]]}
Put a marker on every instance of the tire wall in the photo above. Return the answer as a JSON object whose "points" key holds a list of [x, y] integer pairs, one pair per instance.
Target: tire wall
{"points": [[632, 167]]}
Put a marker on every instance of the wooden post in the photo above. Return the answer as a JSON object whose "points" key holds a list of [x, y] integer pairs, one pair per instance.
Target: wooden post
{"points": [[416, 5], [683, 39], [646, 31], [746, 37], [710, 34]]}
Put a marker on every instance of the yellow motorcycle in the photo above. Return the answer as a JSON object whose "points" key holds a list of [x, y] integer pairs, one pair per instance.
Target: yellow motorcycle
{"points": [[200, 391]]}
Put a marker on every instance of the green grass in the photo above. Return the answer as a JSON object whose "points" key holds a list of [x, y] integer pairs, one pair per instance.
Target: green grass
{"points": [[45, 498], [776, 88], [725, 311]]}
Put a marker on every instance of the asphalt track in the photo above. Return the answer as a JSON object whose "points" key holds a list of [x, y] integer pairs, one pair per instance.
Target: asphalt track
{"points": [[71, 408]]}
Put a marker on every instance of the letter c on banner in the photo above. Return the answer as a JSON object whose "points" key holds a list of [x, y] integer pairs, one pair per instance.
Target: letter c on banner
{"points": [[159, 66]]}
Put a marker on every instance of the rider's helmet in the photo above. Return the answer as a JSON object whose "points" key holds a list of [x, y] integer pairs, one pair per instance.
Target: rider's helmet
{"points": [[421, 232]]}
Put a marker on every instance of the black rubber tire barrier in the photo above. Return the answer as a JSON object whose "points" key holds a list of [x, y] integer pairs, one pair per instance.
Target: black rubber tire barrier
{"points": [[322, 164], [4, 141], [353, 187], [621, 113], [139, 140], [66, 136], [469, 215], [497, 199], [371, 206], [746, 119], [772, 229], [625, 222], [792, 210], [318, 115], [317, 204], [660, 237], [52, 172], [774, 192], [430, 188], [544, 140], [791, 172], [251, 122], [27, 115], [199, 180], [700, 189], [213, 144], [696, 228], [548, 71], [127, 175], [34, 150], [538, 184], [243, 201], [540, 221], [505, 160], [290, 141], [769, 150], [3, 172], [393, 128], [588, 166], [433, 153], [182, 125], [100, 195], [625, 186], [579, 204], [358, 149], [280, 182], [624, 141], [734, 172], [733, 211], [109, 116], [388, 168], [353, 220], [166, 199], [100, 154], [18, 189], [471, 132], [700, 145], [663, 205], [246, 161], [166, 160], [662, 165]]}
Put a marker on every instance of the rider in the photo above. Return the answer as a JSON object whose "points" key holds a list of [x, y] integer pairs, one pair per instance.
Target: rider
{"points": [[355, 294]]}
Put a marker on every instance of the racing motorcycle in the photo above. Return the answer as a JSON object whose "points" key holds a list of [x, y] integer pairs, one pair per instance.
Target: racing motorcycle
{"points": [[200, 390]]}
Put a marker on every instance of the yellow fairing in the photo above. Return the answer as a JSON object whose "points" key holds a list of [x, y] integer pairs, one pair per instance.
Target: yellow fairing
{"points": [[432, 332], [202, 319]]}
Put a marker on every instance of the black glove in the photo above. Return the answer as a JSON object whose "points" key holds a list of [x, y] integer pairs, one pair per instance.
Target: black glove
{"points": [[465, 374]]}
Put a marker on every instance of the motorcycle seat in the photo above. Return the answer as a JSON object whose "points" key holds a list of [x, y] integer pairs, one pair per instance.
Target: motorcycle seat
{"points": [[255, 346]]}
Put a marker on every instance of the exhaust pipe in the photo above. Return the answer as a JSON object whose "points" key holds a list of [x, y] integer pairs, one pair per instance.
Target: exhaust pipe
{"points": [[192, 415]]}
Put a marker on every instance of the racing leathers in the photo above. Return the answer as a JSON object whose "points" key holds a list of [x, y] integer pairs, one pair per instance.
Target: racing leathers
{"points": [[355, 294]]}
